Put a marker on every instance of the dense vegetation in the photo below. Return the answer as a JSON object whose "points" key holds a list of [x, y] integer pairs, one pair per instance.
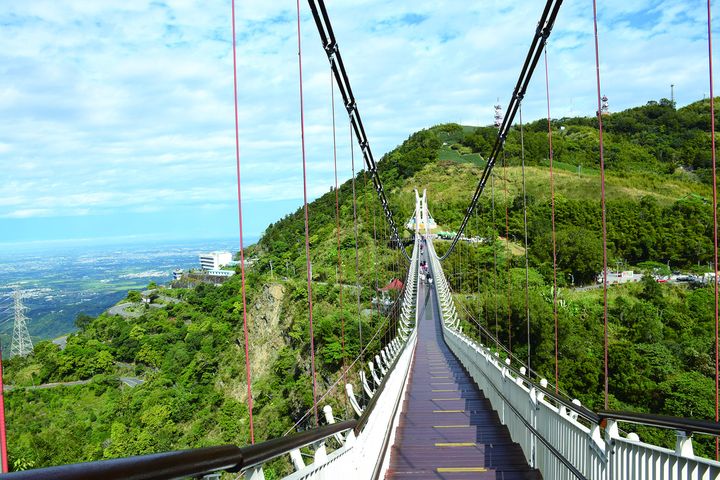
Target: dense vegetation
{"points": [[188, 354], [662, 344]]}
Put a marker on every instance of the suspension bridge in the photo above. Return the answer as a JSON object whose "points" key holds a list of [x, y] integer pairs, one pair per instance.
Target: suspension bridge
{"points": [[435, 403]]}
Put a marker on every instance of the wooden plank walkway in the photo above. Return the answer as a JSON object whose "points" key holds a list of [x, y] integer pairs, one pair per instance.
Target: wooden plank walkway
{"points": [[447, 428]]}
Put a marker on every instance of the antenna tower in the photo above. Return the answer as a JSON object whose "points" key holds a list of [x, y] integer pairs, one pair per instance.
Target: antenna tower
{"points": [[498, 114], [604, 107], [21, 341]]}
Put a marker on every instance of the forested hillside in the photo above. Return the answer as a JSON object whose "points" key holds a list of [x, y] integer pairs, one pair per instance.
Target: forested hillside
{"points": [[188, 354]]}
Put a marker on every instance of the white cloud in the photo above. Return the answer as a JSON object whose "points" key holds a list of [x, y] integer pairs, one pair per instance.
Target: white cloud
{"points": [[129, 105]]}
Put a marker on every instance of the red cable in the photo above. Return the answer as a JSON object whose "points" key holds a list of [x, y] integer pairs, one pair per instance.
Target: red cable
{"points": [[602, 204], [240, 222], [715, 228], [495, 278], [337, 223], [307, 221], [552, 204], [507, 247]]}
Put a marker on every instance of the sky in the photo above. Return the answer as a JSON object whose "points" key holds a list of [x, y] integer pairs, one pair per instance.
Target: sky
{"points": [[116, 117]]}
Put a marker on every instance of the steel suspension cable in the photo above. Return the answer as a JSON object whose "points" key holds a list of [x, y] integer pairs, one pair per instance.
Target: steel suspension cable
{"points": [[508, 252], [307, 222], [242, 250], [337, 227], [494, 243], [715, 227], [355, 230], [525, 231], [329, 43], [602, 207], [552, 217], [542, 32]]}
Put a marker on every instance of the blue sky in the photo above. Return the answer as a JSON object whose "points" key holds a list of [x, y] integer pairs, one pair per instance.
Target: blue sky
{"points": [[116, 117]]}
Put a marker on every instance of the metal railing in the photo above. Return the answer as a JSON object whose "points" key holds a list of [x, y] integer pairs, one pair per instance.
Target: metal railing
{"points": [[560, 437]]}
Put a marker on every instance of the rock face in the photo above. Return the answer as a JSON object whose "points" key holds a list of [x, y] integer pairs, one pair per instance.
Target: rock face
{"points": [[264, 326]]}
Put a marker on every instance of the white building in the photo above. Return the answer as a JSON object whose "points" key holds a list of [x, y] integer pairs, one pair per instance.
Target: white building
{"points": [[214, 260], [220, 273]]}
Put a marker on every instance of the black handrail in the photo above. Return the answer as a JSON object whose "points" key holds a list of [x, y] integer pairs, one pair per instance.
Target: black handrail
{"points": [[175, 464], [183, 463], [687, 425]]}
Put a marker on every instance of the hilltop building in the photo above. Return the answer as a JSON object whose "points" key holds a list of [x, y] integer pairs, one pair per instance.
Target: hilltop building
{"points": [[215, 260]]}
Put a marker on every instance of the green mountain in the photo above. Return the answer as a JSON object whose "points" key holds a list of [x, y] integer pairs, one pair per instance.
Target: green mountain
{"points": [[190, 357]]}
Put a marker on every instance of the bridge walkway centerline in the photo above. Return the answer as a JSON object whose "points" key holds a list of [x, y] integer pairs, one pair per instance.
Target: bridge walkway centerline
{"points": [[447, 428]]}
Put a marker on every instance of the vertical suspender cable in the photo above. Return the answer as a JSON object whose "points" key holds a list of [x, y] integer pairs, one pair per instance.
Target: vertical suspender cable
{"points": [[355, 228], [495, 278], [552, 216], [337, 226], [507, 249], [242, 252], [307, 222], [602, 206], [715, 227], [525, 231]]}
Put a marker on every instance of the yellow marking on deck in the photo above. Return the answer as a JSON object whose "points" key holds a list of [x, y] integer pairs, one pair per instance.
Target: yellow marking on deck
{"points": [[460, 469], [438, 391], [448, 411], [456, 444], [440, 377], [451, 426], [442, 383]]}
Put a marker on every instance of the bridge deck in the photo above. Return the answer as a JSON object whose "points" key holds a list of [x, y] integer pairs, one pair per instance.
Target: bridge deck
{"points": [[447, 428]]}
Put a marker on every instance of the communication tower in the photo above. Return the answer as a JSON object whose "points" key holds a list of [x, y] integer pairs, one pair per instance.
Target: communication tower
{"points": [[604, 106], [498, 114], [21, 341]]}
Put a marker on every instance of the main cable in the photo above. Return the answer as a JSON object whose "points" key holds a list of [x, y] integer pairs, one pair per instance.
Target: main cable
{"points": [[542, 33], [329, 43]]}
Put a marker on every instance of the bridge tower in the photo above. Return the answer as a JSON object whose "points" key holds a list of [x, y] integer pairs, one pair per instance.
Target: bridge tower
{"points": [[21, 341]]}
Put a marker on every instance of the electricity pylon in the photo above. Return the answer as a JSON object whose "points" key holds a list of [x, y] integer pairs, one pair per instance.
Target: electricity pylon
{"points": [[21, 341]]}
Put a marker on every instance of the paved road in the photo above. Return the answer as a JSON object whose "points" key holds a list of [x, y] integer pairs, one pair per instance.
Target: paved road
{"points": [[122, 310], [129, 381], [47, 385], [132, 381]]}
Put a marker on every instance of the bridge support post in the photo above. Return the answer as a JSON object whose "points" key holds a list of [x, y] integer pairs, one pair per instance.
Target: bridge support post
{"points": [[297, 459], [255, 473], [683, 444], [320, 454]]}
